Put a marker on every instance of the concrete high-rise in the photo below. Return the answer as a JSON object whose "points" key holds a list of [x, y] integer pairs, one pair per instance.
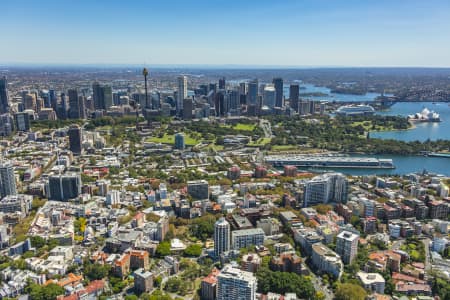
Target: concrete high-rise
{"points": [[7, 180], [75, 139], [198, 189], [278, 84], [181, 92], [235, 284], [4, 100], [347, 246], [221, 237], [330, 187]]}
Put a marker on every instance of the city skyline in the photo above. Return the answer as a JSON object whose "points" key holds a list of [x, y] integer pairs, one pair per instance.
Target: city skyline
{"points": [[231, 33]]}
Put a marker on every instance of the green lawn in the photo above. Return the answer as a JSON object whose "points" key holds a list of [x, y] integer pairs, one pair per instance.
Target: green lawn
{"points": [[259, 142], [170, 139], [216, 147], [368, 126], [246, 127]]}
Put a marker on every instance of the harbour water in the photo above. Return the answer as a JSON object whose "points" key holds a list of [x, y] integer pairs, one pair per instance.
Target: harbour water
{"points": [[310, 88], [420, 132], [403, 165]]}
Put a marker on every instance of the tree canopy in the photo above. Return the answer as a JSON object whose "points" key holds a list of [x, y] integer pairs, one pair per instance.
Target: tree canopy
{"points": [[284, 282], [163, 249], [349, 291]]}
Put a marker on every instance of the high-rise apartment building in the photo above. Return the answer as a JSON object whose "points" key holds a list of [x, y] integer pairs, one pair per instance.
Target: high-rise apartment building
{"points": [[330, 187], [347, 246], [75, 139], [221, 237], [64, 187], [179, 141], [234, 284], [198, 189], [247, 237], [7, 180]]}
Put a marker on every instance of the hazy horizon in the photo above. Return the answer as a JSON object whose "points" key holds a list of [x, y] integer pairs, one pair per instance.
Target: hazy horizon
{"points": [[204, 66], [306, 33]]}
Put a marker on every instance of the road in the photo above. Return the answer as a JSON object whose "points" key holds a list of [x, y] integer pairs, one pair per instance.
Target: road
{"points": [[266, 127], [319, 286], [427, 242], [397, 244]]}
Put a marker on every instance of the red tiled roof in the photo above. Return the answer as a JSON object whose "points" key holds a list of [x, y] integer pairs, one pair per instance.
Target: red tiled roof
{"points": [[418, 265], [406, 278], [94, 286], [413, 287]]}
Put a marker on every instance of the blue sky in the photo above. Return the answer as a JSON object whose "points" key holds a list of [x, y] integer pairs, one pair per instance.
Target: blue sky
{"points": [[219, 32]]}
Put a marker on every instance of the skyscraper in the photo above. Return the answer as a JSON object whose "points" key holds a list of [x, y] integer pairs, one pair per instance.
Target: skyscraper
{"points": [[62, 110], [97, 95], [222, 83], [234, 284], [243, 93], [294, 96], [347, 246], [187, 108], [278, 84], [4, 101], [82, 106], [7, 180], [53, 100], [75, 138], [102, 96], [107, 96], [74, 105], [252, 96], [181, 92], [221, 237], [270, 96], [29, 101]]}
